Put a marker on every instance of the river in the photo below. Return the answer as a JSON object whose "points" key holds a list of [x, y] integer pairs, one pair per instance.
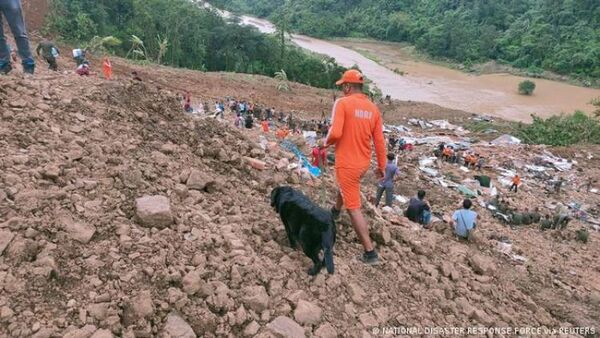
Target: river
{"points": [[492, 94]]}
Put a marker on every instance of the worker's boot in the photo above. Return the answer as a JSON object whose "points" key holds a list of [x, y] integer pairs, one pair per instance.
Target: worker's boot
{"points": [[29, 67], [5, 68]]}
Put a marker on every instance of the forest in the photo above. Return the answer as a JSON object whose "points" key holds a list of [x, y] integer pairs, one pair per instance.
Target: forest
{"points": [[562, 36], [182, 34]]}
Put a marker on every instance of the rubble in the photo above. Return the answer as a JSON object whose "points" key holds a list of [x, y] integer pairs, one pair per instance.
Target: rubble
{"points": [[143, 221]]}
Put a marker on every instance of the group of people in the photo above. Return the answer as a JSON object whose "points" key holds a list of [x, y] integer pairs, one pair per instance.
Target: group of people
{"points": [[47, 50], [469, 159]]}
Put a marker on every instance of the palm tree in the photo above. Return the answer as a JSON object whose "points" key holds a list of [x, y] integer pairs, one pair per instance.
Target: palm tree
{"points": [[137, 48], [282, 85]]}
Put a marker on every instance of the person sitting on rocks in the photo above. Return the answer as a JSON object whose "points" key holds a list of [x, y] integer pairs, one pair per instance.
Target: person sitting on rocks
{"points": [[419, 209], [463, 220], [84, 69]]}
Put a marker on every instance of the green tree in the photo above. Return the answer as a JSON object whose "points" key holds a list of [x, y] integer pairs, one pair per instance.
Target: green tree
{"points": [[526, 87]]}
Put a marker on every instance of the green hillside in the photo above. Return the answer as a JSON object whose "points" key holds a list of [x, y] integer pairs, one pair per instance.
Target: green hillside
{"points": [[562, 36]]}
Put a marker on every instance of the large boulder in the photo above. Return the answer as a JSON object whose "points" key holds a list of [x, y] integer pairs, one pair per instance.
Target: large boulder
{"points": [[197, 180], [154, 211], [177, 327], [255, 298], [307, 313], [285, 327]]}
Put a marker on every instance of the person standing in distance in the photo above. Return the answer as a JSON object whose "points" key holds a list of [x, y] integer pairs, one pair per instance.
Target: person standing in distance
{"points": [[356, 122]]}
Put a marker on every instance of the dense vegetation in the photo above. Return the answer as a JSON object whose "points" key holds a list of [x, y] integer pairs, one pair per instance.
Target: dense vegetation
{"points": [[194, 37], [562, 130], [557, 35]]}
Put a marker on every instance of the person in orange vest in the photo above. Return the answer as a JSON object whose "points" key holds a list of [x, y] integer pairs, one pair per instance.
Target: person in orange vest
{"points": [[265, 126], [282, 133], [356, 124], [516, 182], [107, 68]]}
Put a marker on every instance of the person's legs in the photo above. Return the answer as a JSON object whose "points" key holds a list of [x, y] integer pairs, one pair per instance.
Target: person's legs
{"points": [[52, 65], [14, 16], [362, 230], [426, 217], [378, 195], [389, 196]]}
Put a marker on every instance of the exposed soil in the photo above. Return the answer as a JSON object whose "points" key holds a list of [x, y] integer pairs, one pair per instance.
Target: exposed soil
{"points": [[83, 254]]}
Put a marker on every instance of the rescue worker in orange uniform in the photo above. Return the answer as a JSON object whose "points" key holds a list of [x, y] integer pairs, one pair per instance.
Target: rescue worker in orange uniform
{"points": [[516, 182], [107, 68], [356, 123]]}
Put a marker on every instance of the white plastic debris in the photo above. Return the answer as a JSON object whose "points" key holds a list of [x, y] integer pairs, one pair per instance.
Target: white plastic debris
{"points": [[506, 140]]}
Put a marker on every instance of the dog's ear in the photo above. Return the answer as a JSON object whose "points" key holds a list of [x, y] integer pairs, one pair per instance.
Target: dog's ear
{"points": [[275, 196]]}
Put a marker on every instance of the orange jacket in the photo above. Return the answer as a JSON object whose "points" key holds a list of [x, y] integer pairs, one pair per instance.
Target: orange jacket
{"points": [[356, 122], [516, 180]]}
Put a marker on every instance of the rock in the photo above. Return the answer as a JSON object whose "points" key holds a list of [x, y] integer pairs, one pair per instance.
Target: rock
{"points": [[482, 265], [44, 333], [255, 298], [326, 330], [282, 164], [19, 103], [6, 313], [286, 327], [5, 237], [79, 231], [192, 282], [99, 311], [142, 304], [197, 180], [84, 332], [382, 236], [251, 329], [102, 333], [138, 308], [356, 293], [154, 211], [177, 327], [255, 163], [181, 190], [51, 172], [168, 148], [307, 313], [368, 320]]}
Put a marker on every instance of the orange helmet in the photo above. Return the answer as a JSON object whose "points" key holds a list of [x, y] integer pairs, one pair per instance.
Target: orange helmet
{"points": [[351, 76]]}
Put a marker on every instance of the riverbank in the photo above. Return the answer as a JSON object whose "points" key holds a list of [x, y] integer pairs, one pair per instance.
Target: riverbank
{"points": [[408, 51]]}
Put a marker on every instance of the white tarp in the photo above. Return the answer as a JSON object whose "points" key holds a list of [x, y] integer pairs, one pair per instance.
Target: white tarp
{"points": [[506, 140]]}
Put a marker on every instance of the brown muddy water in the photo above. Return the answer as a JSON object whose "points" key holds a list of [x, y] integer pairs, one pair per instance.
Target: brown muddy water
{"points": [[491, 94]]}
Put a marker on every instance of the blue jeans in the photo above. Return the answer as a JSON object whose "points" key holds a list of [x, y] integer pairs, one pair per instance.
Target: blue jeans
{"points": [[14, 16], [389, 195], [426, 217]]}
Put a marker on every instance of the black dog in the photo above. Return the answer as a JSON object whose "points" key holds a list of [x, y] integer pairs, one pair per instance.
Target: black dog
{"points": [[307, 224]]}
